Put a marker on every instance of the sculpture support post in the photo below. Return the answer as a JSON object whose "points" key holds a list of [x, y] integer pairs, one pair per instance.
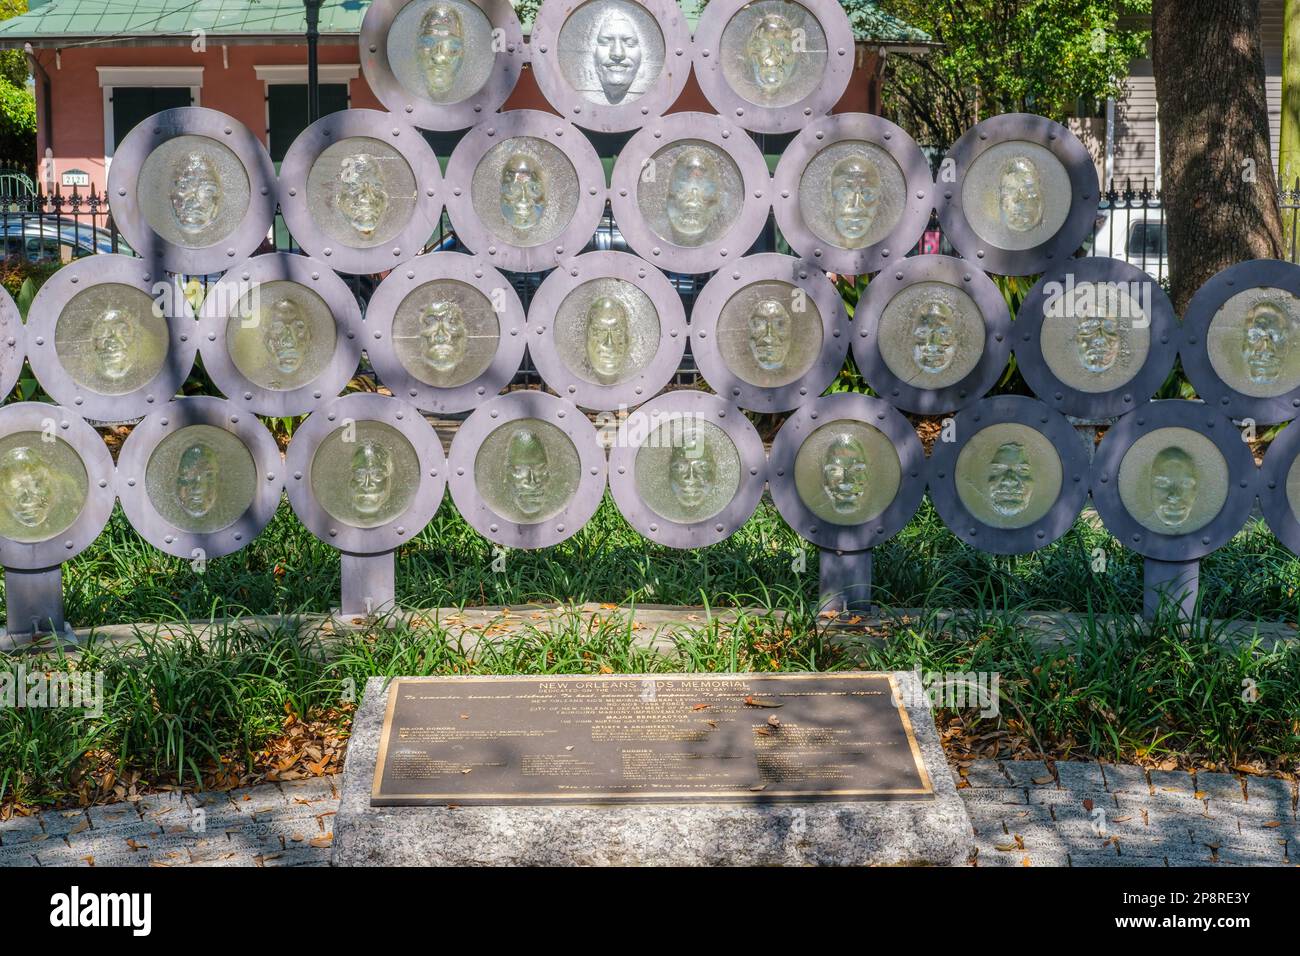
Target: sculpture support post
{"points": [[368, 584], [845, 581], [34, 601], [1175, 581], [313, 73]]}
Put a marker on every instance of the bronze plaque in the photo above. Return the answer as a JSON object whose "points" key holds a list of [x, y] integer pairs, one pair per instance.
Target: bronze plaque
{"points": [[671, 738]]}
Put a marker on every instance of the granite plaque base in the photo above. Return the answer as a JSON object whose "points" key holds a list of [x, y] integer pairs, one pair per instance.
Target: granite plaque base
{"points": [[724, 825]]}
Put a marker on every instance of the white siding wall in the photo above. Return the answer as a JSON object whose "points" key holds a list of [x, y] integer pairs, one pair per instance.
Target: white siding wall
{"points": [[1135, 113]]}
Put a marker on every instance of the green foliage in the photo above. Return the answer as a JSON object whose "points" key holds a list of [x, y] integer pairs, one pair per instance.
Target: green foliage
{"points": [[998, 56], [17, 104]]}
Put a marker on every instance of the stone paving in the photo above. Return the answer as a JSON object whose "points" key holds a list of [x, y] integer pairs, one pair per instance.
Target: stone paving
{"points": [[1086, 814]]}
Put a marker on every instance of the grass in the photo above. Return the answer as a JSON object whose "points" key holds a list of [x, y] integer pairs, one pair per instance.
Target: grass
{"points": [[203, 710], [189, 709], [123, 579]]}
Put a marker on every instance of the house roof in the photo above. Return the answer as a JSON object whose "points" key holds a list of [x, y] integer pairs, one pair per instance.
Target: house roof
{"points": [[98, 22]]}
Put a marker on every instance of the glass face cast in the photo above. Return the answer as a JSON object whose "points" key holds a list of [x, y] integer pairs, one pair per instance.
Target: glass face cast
{"points": [[1016, 195], [445, 333], [201, 479], [108, 339], [1173, 481], [43, 487], [193, 191], [441, 50], [852, 194], [847, 472], [611, 51], [1254, 344], [691, 193], [365, 474], [770, 334], [1008, 475], [606, 331], [361, 192], [282, 336], [773, 53], [931, 335], [688, 470], [527, 471], [525, 191], [1097, 339]]}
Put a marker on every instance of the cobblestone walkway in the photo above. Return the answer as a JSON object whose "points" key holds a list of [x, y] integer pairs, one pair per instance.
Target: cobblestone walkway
{"points": [[1089, 815]]}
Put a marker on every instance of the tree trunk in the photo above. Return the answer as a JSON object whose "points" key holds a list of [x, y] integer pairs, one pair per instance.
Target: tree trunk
{"points": [[1288, 163], [1220, 195]]}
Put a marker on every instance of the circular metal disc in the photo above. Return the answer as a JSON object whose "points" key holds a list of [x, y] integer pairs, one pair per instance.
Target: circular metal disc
{"points": [[891, 179], [636, 73], [636, 168], [771, 330], [857, 412], [460, 29], [117, 363], [13, 347], [1099, 306], [683, 414], [933, 274], [1259, 345], [1279, 487], [640, 284], [350, 415], [748, 57], [366, 210], [477, 282], [1008, 482], [534, 453], [251, 297], [1238, 492], [536, 134], [222, 216], [1063, 193], [31, 479], [203, 473]]}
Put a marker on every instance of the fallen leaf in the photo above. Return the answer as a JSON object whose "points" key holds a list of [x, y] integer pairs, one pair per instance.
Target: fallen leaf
{"points": [[1087, 804], [83, 825], [1273, 824], [322, 841], [1040, 781]]}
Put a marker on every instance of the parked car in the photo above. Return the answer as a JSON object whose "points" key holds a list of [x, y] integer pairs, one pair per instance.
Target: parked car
{"points": [[1137, 236], [50, 239]]}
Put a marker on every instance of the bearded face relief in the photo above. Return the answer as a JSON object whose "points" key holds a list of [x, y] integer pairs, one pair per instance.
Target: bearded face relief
{"points": [[770, 329], [287, 336], [370, 477], [443, 332], [608, 338], [934, 332], [692, 469], [1010, 479], [111, 336], [771, 52], [1266, 339], [197, 477], [1099, 340], [440, 47], [28, 487], [1173, 486], [694, 192], [1021, 197], [523, 192], [844, 473], [616, 54], [195, 193], [527, 471], [855, 196], [362, 199]]}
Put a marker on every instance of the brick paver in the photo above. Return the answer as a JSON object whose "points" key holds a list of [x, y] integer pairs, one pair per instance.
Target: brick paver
{"points": [[1022, 814]]}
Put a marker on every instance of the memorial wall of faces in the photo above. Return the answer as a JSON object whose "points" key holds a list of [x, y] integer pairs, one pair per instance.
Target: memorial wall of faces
{"points": [[112, 338]]}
